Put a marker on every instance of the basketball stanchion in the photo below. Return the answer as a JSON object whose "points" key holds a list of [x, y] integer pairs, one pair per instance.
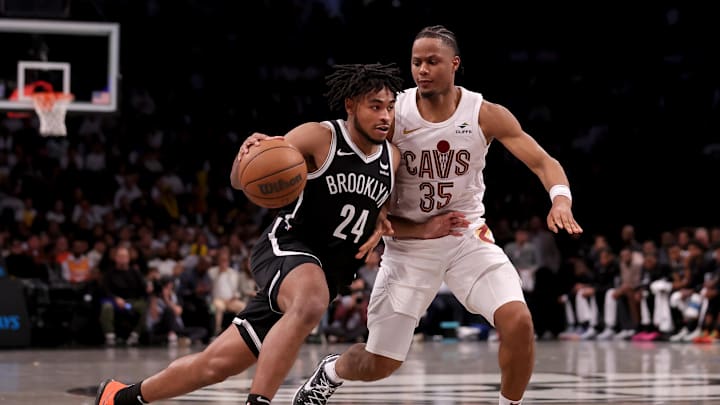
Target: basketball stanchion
{"points": [[51, 108]]}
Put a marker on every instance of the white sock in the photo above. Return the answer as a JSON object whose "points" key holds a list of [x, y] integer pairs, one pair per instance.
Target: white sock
{"points": [[505, 401], [331, 373]]}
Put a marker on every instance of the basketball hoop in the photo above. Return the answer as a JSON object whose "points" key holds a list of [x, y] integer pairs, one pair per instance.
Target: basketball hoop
{"points": [[51, 108], [28, 89]]}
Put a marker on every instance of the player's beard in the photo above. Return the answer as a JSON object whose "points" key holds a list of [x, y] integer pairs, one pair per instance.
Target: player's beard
{"points": [[427, 93], [365, 135]]}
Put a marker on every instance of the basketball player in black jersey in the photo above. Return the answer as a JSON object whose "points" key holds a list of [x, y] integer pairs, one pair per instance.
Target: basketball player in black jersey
{"points": [[309, 252]]}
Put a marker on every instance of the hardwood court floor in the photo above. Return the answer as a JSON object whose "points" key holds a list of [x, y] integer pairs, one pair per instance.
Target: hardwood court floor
{"points": [[437, 373]]}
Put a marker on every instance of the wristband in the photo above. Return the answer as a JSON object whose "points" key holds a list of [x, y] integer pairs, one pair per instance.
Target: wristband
{"points": [[560, 189]]}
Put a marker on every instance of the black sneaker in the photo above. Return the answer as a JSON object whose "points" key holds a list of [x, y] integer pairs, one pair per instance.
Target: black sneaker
{"points": [[318, 388]]}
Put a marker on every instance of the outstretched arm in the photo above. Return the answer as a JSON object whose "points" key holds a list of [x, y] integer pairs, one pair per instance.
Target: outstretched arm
{"points": [[499, 123], [449, 223], [383, 227]]}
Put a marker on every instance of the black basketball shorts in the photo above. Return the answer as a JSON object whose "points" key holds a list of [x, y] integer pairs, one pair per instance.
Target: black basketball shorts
{"points": [[269, 268]]}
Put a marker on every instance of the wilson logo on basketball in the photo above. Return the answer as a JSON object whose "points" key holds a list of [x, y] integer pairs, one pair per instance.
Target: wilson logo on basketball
{"points": [[282, 184]]}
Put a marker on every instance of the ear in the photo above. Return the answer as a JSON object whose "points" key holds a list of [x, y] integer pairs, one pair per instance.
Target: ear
{"points": [[349, 105], [456, 63]]}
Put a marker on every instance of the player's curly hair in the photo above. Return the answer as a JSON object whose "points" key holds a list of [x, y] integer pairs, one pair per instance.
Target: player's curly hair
{"points": [[351, 80]]}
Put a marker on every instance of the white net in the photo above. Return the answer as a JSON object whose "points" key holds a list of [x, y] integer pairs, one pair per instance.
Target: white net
{"points": [[51, 109]]}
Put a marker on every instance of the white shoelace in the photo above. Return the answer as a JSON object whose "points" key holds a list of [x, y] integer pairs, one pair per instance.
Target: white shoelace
{"points": [[319, 394]]}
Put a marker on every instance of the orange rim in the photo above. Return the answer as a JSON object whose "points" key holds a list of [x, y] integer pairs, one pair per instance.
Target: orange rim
{"points": [[46, 100]]}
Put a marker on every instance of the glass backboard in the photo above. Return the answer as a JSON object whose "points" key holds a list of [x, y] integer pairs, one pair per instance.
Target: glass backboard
{"points": [[81, 58]]}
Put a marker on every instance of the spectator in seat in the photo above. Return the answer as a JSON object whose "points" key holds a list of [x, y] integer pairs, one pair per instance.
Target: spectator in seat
{"points": [[349, 319], [225, 289], [125, 292], [164, 316]]}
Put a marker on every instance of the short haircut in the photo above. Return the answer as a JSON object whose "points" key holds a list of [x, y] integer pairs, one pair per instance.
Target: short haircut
{"points": [[441, 33]]}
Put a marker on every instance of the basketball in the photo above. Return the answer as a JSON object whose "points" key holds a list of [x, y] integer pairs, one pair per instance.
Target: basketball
{"points": [[273, 173]]}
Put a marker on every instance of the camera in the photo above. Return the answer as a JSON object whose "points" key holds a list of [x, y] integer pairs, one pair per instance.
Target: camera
{"points": [[357, 295]]}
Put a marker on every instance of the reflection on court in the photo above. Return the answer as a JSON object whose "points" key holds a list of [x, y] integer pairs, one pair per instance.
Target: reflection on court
{"points": [[435, 373]]}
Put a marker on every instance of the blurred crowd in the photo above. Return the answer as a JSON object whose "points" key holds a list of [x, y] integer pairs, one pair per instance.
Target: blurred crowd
{"points": [[128, 230]]}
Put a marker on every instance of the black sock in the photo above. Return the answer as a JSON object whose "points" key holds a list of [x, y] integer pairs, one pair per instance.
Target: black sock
{"points": [[130, 395], [255, 399]]}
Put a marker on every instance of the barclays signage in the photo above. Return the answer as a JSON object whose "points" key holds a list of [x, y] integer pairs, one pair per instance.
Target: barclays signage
{"points": [[9, 322], [14, 321]]}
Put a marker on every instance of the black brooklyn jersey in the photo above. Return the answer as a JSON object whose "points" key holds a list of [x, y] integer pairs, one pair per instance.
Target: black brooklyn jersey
{"points": [[338, 209]]}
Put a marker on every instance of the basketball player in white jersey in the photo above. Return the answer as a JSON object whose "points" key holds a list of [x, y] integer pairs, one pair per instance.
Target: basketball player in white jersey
{"points": [[443, 132]]}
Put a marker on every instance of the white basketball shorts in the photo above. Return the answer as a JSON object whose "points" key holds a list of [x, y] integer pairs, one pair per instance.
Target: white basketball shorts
{"points": [[476, 270]]}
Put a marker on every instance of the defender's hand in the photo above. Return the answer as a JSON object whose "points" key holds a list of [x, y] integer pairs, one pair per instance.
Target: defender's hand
{"points": [[450, 223], [561, 217], [383, 227]]}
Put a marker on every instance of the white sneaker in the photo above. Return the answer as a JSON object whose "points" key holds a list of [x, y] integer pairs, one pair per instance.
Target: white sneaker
{"points": [[606, 334], [624, 334], [110, 339], [172, 339], [692, 335], [572, 333], [133, 339], [678, 337], [467, 333], [589, 334]]}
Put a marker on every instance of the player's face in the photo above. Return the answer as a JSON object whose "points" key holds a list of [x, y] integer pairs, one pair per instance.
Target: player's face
{"points": [[433, 65], [373, 114]]}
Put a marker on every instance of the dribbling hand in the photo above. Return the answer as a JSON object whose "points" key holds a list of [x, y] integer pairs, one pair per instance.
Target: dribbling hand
{"points": [[253, 140]]}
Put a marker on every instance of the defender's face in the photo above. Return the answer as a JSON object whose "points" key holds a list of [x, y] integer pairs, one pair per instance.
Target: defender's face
{"points": [[433, 66], [373, 114]]}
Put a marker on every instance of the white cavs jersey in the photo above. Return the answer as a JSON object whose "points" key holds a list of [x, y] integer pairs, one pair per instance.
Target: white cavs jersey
{"points": [[442, 162], [440, 171]]}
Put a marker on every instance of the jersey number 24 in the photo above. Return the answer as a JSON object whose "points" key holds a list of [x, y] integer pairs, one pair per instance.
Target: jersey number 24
{"points": [[351, 224]]}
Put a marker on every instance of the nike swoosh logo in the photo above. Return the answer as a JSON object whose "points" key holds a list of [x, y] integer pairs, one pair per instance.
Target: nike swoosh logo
{"points": [[384, 166], [264, 401], [341, 153], [410, 131]]}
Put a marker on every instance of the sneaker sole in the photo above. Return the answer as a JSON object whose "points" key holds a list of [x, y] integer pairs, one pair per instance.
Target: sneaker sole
{"points": [[100, 390], [297, 392]]}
